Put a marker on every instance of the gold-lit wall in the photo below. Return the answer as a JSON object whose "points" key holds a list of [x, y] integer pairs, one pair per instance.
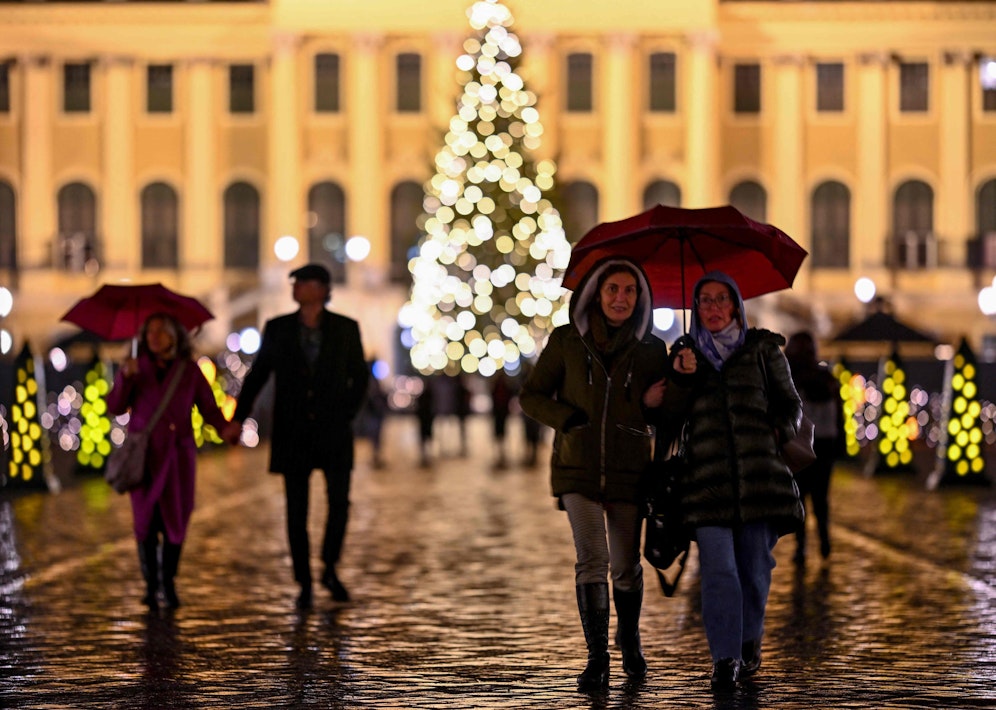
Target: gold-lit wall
{"points": [[620, 147]]}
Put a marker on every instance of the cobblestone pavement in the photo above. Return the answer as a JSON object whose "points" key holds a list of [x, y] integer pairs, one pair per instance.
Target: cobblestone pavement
{"points": [[462, 578]]}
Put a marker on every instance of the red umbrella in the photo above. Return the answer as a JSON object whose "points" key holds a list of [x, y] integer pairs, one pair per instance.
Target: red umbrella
{"points": [[116, 312], [676, 246]]}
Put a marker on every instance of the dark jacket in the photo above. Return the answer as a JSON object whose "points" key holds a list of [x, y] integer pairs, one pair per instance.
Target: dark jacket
{"points": [[735, 473], [602, 441], [313, 408]]}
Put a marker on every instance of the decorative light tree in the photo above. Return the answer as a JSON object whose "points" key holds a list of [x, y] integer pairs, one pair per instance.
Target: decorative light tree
{"points": [[486, 285], [95, 423], [29, 455], [852, 393], [960, 457], [896, 427]]}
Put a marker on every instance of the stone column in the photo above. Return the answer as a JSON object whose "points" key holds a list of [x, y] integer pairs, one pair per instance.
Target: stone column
{"points": [[620, 155], [955, 206], [120, 231], [202, 239], [788, 195], [871, 200], [367, 212], [444, 90], [37, 207], [286, 205], [700, 97]]}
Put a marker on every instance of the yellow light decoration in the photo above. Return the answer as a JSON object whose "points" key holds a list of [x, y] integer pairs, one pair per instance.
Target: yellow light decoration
{"points": [[29, 455], [960, 456]]}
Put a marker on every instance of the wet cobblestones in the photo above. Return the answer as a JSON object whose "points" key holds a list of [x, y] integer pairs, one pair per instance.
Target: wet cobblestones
{"points": [[462, 578]]}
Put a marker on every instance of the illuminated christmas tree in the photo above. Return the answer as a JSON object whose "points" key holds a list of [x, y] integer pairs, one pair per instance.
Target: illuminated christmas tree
{"points": [[896, 427], [95, 423], [960, 457], [29, 454], [487, 279]]}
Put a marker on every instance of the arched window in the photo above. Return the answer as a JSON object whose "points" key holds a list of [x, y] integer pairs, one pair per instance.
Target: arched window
{"points": [[580, 209], [661, 192], [751, 199], [77, 241], [406, 208], [160, 242], [985, 208], [327, 230], [8, 227], [241, 226], [913, 244], [831, 226]]}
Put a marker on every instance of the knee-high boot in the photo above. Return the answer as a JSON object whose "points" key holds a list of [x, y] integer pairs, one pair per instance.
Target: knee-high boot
{"points": [[593, 605], [628, 605], [149, 563], [171, 562]]}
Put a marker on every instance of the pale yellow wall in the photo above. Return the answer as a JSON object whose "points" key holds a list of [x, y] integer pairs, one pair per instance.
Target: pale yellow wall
{"points": [[368, 147]]}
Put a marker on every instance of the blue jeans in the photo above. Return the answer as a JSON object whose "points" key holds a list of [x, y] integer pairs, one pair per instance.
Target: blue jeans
{"points": [[735, 566]]}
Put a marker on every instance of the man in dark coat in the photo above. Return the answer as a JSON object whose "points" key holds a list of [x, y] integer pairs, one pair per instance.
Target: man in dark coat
{"points": [[316, 357]]}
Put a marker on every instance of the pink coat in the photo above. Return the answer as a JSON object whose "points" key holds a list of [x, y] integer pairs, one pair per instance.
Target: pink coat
{"points": [[172, 450]]}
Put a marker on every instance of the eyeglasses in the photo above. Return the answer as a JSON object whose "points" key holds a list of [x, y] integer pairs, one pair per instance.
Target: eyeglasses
{"points": [[721, 301]]}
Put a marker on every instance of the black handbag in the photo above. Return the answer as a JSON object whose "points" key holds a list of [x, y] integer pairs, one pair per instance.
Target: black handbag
{"points": [[667, 540]]}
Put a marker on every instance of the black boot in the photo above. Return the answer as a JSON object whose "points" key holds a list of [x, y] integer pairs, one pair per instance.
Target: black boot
{"points": [[593, 605], [628, 606], [171, 561], [149, 563]]}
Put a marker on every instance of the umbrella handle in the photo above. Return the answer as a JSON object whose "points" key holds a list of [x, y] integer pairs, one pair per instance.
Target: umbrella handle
{"points": [[134, 346]]}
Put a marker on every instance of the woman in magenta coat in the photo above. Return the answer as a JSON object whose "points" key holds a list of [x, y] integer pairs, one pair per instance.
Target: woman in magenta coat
{"points": [[163, 503]]}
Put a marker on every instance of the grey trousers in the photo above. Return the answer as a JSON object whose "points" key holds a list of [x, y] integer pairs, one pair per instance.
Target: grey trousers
{"points": [[606, 538]]}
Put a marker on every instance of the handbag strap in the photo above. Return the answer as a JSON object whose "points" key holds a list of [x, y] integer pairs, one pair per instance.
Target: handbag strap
{"points": [[164, 402]]}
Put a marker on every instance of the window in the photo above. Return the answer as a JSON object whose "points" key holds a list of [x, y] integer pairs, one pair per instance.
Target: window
{"points": [[831, 225], [913, 87], [77, 226], [580, 213], [830, 87], [747, 88], [579, 82], [159, 88], [987, 79], [4, 87], [76, 88], [913, 244], [406, 208], [241, 95], [985, 224], [326, 235], [241, 226], [662, 82], [8, 227], [661, 192], [751, 199], [327, 83], [409, 77], [159, 227]]}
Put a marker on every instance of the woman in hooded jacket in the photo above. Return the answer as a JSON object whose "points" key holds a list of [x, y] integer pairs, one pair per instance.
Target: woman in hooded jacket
{"points": [[738, 496], [593, 385]]}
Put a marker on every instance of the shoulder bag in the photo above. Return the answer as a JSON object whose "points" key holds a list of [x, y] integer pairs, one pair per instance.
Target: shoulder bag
{"points": [[798, 451], [125, 470]]}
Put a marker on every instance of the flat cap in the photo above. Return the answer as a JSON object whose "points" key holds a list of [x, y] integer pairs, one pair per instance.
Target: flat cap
{"points": [[312, 272]]}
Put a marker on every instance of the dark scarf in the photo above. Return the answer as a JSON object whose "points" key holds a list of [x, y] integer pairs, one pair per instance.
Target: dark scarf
{"points": [[609, 341]]}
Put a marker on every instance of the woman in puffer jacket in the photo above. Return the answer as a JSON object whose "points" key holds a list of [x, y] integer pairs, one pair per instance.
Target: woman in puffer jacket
{"points": [[593, 384], [738, 496]]}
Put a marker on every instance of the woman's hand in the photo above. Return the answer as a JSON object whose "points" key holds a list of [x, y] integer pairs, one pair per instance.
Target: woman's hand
{"points": [[655, 394], [685, 362], [129, 367]]}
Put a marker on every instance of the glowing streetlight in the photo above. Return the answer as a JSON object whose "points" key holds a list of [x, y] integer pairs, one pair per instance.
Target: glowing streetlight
{"points": [[864, 289], [357, 248], [286, 248], [987, 300]]}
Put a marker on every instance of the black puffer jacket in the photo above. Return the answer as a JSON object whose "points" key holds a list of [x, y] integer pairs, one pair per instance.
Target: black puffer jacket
{"points": [[602, 441], [735, 473]]}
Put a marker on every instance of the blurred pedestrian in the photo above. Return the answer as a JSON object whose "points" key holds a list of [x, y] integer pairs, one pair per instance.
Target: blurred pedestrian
{"points": [[161, 507], [502, 394], [425, 411], [320, 377], [738, 496], [372, 414], [589, 385], [821, 402]]}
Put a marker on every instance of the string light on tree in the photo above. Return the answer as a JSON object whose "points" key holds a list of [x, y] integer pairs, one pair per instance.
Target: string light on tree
{"points": [[960, 455], [486, 287]]}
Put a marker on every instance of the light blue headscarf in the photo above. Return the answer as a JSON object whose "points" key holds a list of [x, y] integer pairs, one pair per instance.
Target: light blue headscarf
{"points": [[718, 346]]}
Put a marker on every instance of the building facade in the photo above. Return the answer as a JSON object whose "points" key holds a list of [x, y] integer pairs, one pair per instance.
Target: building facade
{"points": [[178, 141]]}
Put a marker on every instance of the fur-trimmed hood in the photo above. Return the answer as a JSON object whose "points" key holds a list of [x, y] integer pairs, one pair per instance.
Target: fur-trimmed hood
{"points": [[587, 290]]}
